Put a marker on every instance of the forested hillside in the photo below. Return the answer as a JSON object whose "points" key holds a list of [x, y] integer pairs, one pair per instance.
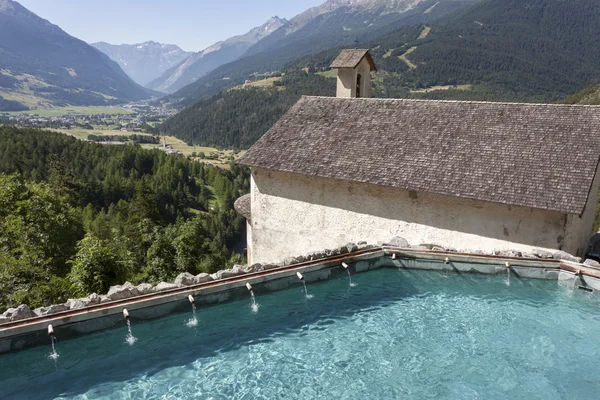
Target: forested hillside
{"points": [[238, 117], [77, 217], [590, 96], [360, 21]]}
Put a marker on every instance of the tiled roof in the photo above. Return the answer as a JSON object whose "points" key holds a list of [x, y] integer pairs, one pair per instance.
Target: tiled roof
{"points": [[350, 58], [242, 206], [533, 155]]}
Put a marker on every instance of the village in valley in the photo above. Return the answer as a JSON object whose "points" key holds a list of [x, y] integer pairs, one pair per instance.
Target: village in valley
{"points": [[132, 123]]}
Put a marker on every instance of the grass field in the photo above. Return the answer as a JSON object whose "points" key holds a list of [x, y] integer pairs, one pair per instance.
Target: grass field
{"points": [[332, 73], [212, 155], [267, 82], [424, 32], [74, 110], [406, 60], [446, 87]]}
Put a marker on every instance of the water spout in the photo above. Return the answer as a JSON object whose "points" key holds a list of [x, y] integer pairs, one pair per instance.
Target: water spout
{"points": [[54, 355], [249, 286], [129, 339], [446, 260], [577, 274], [508, 268], [191, 299], [394, 256], [308, 296], [349, 274]]}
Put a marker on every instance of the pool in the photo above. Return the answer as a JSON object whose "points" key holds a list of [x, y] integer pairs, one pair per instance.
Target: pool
{"points": [[396, 334]]}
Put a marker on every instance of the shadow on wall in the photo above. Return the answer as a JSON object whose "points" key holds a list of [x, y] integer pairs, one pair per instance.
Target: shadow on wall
{"points": [[527, 226]]}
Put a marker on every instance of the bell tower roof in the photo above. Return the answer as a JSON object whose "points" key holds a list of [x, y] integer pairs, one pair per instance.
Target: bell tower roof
{"points": [[350, 58]]}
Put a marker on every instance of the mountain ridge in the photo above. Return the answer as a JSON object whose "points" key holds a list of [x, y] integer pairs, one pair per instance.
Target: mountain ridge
{"points": [[341, 26], [43, 66], [143, 62], [204, 61]]}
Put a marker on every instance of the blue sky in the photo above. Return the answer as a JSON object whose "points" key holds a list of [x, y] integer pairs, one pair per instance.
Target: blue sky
{"points": [[190, 24]]}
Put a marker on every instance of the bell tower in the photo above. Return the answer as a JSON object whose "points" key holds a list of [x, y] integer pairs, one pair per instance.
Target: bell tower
{"points": [[354, 73]]}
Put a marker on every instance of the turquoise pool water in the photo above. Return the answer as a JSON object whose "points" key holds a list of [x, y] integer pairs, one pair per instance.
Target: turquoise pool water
{"points": [[397, 334]]}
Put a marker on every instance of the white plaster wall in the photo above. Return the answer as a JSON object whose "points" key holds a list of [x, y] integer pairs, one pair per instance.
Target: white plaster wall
{"points": [[346, 80], [578, 229], [295, 214]]}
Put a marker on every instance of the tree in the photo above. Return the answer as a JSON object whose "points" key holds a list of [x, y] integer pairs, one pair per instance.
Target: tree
{"points": [[96, 267]]}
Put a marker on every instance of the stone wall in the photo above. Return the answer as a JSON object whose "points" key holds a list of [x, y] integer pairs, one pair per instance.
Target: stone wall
{"points": [[296, 214]]}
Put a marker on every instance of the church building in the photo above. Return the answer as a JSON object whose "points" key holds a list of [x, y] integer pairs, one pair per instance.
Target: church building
{"points": [[457, 174]]}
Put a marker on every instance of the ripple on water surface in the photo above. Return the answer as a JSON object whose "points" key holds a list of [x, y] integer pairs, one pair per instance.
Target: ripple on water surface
{"points": [[398, 334]]}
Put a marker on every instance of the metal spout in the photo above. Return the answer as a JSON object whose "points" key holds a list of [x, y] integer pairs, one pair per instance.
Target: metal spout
{"points": [[299, 275], [249, 286], [125, 313], [345, 265], [50, 330], [191, 299]]}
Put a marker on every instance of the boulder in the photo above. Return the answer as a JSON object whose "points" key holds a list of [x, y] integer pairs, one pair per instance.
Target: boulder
{"points": [[542, 253], [93, 299], [351, 247], [592, 263], [120, 292], [184, 279], [563, 255], [438, 248], [270, 266], [332, 252], [144, 288], [43, 311], [202, 278], [4, 320], [165, 286], [400, 242], [19, 313], [301, 259], [507, 253], [419, 248], [361, 245], [529, 255], [227, 273], [76, 304], [317, 255], [290, 261], [255, 267]]}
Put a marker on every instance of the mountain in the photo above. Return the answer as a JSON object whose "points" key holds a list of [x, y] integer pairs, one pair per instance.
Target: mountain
{"points": [[334, 23], [146, 61], [199, 64], [496, 50], [42, 66], [538, 50]]}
